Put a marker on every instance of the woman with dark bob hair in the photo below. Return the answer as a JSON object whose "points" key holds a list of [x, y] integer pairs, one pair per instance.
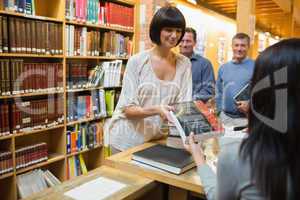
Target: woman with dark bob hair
{"points": [[266, 164], [153, 80]]}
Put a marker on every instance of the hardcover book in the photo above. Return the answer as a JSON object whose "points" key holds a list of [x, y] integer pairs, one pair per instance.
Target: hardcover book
{"points": [[195, 117], [169, 159], [243, 94]]}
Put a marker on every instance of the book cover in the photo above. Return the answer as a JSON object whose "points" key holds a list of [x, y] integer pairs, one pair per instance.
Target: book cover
{"points": [[169, 159], [243, 94], [195, 117]]}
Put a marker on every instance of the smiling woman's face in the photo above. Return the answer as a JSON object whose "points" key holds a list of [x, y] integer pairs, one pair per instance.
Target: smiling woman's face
{"points": [[169, 36]]}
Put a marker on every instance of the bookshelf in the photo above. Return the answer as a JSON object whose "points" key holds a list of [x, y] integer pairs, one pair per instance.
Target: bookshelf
{"points": [[52, 14]]}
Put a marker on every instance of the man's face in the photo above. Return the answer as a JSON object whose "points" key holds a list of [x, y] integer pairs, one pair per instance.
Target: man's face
{"points": [[187, 44], [240, 49]]}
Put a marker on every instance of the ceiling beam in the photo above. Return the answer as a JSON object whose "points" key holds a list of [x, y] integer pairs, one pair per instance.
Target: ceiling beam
{"points": [[285, 5], [229, 9], [220, 1], [205, 4], [266, 6], [270, 14], [296, 11], [265, 3], [271, 11], [226, 5]]}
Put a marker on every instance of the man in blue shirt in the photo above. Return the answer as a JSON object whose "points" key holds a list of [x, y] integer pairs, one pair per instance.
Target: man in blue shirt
{"points": [[202, 71], [232, 77]]}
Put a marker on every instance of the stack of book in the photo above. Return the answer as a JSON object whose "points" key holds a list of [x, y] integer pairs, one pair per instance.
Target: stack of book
{"points": [[166, 158], [6, 163], [30, 36], [4, 120], [103, 13], [83, 136], [37, 114], [31, 155], [76, 166], [35, 181]]}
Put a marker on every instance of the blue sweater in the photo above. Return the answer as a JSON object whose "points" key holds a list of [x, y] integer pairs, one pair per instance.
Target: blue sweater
{"points": [[231, 78], [203, 78]]}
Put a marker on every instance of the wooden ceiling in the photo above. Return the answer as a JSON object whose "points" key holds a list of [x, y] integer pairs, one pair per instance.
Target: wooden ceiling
{"points": [[297, 30], [269, 16]]}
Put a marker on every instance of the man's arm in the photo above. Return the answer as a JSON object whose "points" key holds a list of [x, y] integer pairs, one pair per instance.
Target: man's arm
{"points": [[219, 90], [206, 88]]}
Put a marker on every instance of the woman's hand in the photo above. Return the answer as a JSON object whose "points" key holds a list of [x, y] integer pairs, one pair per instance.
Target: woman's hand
{"points": [[195, 149], [163, 111]]}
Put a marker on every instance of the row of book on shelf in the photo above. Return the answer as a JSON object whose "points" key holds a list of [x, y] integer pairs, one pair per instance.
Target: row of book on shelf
{"points": [[20, 6], [100, 12], [31, 115], [6, 163], [83, 136], [30, 155], [83, 41], [99, 104], [35, 181], [76, 166], [18, 35], [24, 116], [19, 77], [104, 74]]}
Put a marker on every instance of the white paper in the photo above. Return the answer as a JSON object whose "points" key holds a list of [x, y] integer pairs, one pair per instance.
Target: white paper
{"points": [[175, 121], [96, 189]]}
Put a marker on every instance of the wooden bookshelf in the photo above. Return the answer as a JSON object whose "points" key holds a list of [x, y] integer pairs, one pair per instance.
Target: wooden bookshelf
{"points": [[6, 137], [95, 88], [97, 57], [31, 94], [49, 19], [84, 120], [21, 55], [20, 134], [100, 26], [85, 150], [3, 176], [53, 11]]}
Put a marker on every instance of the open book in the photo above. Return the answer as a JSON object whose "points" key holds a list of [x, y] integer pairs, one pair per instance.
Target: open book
{"points": [[195, 117]]}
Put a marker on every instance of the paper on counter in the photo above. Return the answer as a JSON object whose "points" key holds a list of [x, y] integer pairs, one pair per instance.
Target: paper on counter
{"points": [[96, 189]]}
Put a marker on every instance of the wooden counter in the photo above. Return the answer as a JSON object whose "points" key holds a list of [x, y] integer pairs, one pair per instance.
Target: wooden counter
{"points": [[136, 187], [188, 181]]}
